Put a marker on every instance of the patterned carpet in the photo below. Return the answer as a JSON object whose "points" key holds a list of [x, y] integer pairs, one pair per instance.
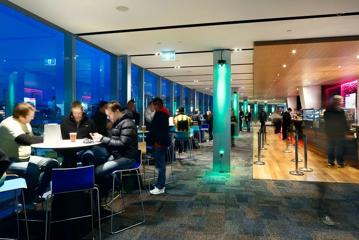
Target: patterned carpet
{"points": [[203, 205]]}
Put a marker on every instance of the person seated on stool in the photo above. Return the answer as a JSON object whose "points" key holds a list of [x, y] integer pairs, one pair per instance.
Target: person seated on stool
{"points": [[183, 124], [118, 151], [16, 138], [77, 122]]}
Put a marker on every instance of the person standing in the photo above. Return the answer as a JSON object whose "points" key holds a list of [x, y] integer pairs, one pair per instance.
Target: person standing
{"points": [[248, 118], [233, 126], [209, 121], [100, 119], [286, 122], [335, 128], [159, 138], [262, 119], [240, 116]]}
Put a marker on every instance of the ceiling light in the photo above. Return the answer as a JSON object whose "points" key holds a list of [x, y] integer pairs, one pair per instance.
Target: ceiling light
{"points": [[237, 49], [294, 51], [277, 74], [122, 8], [195, 81], [284, 65], [207, 88], [357, 56], [177, 67], [339, 66], [157, 54], [297, 89]]}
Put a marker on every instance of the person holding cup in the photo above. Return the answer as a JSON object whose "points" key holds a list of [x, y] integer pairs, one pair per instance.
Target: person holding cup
{"points": [[76, 126]]}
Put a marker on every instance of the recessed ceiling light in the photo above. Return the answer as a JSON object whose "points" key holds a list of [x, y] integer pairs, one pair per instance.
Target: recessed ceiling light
{"points": [[207, 88], [237, 49], [122, 8], [294, 51], [195, 81], [277, 74], [157, 54], [339, 66], [284, 65], [297, 89], [357, 56], [177, 67]]}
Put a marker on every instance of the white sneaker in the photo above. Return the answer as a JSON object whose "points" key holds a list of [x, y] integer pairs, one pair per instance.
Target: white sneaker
{"points": [[157, 191]]}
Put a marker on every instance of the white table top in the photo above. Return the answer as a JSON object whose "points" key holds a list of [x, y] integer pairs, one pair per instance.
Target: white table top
{"points": [[65, 144], [13, 184]]}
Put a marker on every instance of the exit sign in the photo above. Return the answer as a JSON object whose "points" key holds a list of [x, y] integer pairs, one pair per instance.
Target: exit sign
{"points": [[168, 56]]}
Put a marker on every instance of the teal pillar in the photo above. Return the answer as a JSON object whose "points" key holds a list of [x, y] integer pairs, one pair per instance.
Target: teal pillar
{"points": [[221, 110], [245, 106], [255, 110], [266, 107], [235, 107]]}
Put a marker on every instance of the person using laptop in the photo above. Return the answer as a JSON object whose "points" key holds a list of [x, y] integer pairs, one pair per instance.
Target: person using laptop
{"points": [[77, 122], [16, 138]]}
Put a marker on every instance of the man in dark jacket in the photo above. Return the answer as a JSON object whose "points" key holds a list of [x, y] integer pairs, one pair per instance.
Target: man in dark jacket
{"points": [[248, 119], [118, 151], [240, 118], [160, 140], [286, 122], [100, 118], [79, 123], [335, 128], [262, 119], [135, 115]]}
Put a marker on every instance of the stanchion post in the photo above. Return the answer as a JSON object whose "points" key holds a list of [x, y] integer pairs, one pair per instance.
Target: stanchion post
{"points": [[259, 162], [296, 172], [306, 168], [263, 139]]}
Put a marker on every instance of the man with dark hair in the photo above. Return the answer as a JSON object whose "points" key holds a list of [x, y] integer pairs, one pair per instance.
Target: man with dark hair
{"points": [[135, 115], [159, 138], [262, 119], [287, 121], [77, 122], [119, 150], [100, 118], [183, 124], [16, 138], [335, 127]]}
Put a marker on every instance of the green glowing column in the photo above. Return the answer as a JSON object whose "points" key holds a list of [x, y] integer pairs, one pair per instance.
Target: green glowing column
{"points": [[255, 110], [245, 106], [221, 111], [235, 107], [266, 107]]}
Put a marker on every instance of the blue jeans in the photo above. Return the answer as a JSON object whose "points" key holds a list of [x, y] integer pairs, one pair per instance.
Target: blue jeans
{"points": [[336, 149], [160, 158]]}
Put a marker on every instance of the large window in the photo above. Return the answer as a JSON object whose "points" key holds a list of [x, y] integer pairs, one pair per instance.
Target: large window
{"points": [[177, 97], [31, 66], [150, 86], [200, 102], [205, 108], [166, 95], [92, 75], [210, 103], [186, 100], [136, 94]]}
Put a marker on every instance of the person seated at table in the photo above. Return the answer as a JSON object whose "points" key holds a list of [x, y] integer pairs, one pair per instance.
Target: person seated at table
{"points": [[16, 138], [183, 124], [118, 151], [77, 122], [135, 115], [100, 119]]}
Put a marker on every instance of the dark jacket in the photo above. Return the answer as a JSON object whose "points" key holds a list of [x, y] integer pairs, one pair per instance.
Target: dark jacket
{"points": [[248, 117], [335, 123], [287, 119], [136, 117], [123, 141], [83, 129], [159, 129], [100, 121], [262, 116]]}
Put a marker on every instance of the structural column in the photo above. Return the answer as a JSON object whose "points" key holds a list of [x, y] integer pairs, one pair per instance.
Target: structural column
{"points": [[221, 110], [125, 77], [70, 72], [114, 78], [235, 111]]}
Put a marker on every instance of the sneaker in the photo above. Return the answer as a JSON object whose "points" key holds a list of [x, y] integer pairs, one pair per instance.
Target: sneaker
{"points": [[328, 221], [331, 164], [340, 165], [157, 191]]}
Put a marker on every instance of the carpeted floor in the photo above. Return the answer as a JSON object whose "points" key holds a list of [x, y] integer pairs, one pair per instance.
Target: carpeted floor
{"points": [[203, 205]]}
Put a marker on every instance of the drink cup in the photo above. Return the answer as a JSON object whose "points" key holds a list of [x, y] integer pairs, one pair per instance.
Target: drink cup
{"points": [[143, 128], [73, 136]]}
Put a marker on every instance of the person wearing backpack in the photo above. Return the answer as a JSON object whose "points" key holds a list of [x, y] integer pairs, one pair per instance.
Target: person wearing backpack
{"points": [[183, 124]]}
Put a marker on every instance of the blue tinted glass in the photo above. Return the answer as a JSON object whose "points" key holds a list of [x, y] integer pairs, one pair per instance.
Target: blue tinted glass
{"points": [[200, 102], [150, 86], [92, 75], [177, 97], [166, 93], [121, 97], [210, 103], [205, 103], [31, 66], [186, 100], [135, 87]]}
